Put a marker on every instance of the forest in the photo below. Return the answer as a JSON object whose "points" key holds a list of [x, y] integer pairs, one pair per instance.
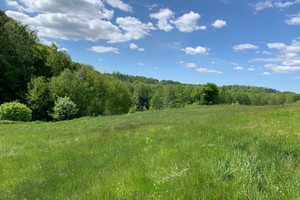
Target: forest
{"points": [[43, 77]]}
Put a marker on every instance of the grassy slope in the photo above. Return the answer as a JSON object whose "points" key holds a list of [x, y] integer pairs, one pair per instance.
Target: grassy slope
{"points": [[215, 152]]}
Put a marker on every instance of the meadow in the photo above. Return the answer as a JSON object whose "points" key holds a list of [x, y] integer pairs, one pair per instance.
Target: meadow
{"points": [[198, 152]]}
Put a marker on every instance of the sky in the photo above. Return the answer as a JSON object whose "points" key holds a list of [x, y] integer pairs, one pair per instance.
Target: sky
{"points": [[227, 42]]}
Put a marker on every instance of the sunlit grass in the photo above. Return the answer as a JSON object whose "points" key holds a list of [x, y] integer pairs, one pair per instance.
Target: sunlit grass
{"points": [[208, 152]]}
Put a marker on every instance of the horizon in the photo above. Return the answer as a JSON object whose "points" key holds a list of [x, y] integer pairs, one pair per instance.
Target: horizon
{"points": [[226, 42]]}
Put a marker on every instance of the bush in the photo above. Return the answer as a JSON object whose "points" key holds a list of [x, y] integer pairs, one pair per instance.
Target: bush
{"points": [[64, 109], [132, 109], [15, 111]]}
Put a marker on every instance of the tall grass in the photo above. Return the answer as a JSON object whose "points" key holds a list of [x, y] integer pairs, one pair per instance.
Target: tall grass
{"points": [[200, 152]]}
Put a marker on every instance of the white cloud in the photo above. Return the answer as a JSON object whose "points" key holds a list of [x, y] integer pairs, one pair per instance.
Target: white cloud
{"points": [[190, 65], [244, 46], [251, 69], [262, 5], [238, 68], [163, 17], [46, 42], [181, 62], [141, 64], [100, 59], [267, 53], [188, 22], [119, 4], [134, 29], [88, 8], [63, 49], [78, 20], [219, 23], [133, 46], [102, 49], [282, 69], [284, 5], [286, 60], [151, 7], [294, 20], [277, 45], [194, 51], [204, 70], [266, 73]]}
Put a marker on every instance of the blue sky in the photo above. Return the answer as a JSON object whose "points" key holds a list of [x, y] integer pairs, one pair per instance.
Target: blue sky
{"points": [[226, 42]]}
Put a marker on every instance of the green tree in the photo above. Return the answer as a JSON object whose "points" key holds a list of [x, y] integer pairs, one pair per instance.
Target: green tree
{"points": [[206, 94], [39, 98], [157, 100], [142, 95], [17, 58], [169, 96], [119, 99], [58, 61]]}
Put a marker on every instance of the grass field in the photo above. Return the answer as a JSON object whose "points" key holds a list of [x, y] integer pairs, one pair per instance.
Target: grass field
{"points": [[209, 152]]}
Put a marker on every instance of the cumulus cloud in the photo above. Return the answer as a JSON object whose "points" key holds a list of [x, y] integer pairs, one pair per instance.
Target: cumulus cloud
{"points": [[102, 49], [89, 8], [188, 22], [194, 51], [286, 60], [119, 4], [244, 47], [251, 69], [79, 20], [134, 29], [238, 68], [163, 17], [190, 65], [133, 46], [294, 19], [219, 23], [266, 73], [205, 70]]}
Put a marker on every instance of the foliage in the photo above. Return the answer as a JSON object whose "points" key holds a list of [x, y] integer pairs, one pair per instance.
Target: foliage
{"points": [[15, 111], [39, 98], [64, 109], [119, 99], [58, 61], [157, 100], [142, 95], [17, 58], [132, 109]]}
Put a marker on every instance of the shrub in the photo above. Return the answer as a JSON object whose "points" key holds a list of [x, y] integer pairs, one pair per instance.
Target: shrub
{"points": [[15, 111], [132, 109], [64, 109]]}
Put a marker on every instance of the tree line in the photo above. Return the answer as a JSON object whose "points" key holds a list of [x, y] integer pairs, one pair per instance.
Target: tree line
{"points": [[38, 75]]}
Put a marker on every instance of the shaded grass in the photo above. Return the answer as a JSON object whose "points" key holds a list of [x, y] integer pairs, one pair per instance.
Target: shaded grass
{"points": [[205, 152]]}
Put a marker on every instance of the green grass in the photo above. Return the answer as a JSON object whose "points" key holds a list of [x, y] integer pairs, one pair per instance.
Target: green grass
{"points": [[205, 152]]}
